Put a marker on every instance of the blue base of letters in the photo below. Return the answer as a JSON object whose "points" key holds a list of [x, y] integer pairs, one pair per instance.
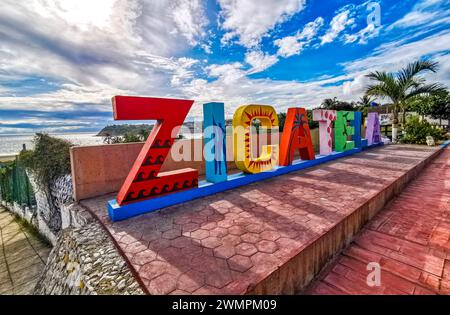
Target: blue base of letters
{"points": [[118, 213]]}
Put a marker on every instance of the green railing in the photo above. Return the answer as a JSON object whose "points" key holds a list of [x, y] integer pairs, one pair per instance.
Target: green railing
{"points": [[15, 185]]}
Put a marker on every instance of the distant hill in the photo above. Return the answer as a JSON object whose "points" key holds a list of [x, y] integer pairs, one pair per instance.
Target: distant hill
{"points": [[120, 130]]}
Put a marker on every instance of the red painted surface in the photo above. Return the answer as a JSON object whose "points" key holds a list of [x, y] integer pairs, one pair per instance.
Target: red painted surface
{"points": [[296, 136], [230, 242], [410, 239], [144, 180]]}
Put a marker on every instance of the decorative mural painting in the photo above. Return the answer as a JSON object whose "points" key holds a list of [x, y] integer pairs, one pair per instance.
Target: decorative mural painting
{"points": [[147, 189]]}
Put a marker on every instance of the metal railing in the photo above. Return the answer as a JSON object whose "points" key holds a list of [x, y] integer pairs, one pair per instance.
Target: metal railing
{"points": [[15, 185]]}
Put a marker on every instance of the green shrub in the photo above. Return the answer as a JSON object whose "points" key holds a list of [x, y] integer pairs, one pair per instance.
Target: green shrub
{"points": [[131, 137], [416, 132], [49, 160]]}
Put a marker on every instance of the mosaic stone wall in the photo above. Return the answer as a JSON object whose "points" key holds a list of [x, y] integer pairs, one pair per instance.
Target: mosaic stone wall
{"points": [[85, 261]]}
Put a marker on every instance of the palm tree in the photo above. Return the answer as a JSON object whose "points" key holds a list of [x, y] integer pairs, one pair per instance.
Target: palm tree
{"points": [[399, 87], [366, 101]]}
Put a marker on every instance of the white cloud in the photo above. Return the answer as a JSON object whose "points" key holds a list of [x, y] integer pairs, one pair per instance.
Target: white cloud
{"points": [[190, 19], [99, 48], [235, 88], [393, 56], [259, 61], [425, 12], [341, 21], [249, 21], [226, 73], [292, 45], [357, 86], [288, 46], [130, 50], [363, 35]]}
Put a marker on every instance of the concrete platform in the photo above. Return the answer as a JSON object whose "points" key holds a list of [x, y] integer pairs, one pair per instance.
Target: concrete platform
{"points": [[409, 239], [270, 237]]}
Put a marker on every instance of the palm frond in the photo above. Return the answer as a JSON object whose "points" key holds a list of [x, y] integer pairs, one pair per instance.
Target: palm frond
{"points": [[380, 76], [408, 73], [427, 89]]}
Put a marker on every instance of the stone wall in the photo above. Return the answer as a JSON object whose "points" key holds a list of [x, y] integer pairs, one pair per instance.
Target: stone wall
{"points": [[52, 212], [85, 261]]}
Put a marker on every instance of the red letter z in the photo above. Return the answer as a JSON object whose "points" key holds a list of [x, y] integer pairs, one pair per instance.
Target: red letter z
{"points": [[144, 180]]}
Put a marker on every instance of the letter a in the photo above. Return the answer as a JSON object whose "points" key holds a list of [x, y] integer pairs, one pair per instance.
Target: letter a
{"points": [[296, 136], [373, 132]]}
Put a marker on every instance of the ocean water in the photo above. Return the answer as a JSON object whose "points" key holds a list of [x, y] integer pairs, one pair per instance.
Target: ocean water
{"points": [[12, 144]]}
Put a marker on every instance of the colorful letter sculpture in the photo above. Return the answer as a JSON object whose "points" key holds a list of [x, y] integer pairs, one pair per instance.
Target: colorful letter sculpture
{"points": [[144, 180], [325, 119], [145, 189], [215, 142], [342, 131], [296, 136], [242, 122], [357, 129], [373, 131]]}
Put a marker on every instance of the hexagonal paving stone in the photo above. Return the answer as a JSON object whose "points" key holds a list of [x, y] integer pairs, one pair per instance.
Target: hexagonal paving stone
{"points": [[163, 284], [150, 236], [218, 232], [127, 239], [184, 219], [154, 269], [211, 242], [198, 218], [219, 279], [209, 226], [236, 230], [246, 249], [193, 249], [240, 263], [136, 247], [270, 235], [226, 223], [190, 227], [255, 228], [224, 251], [143, 257], [169, 254], [231, 239], [181, 242], [159, 244], [263, 261], [250, 238], [267, 246], [171, 234], [191, 281], [200, 234]]}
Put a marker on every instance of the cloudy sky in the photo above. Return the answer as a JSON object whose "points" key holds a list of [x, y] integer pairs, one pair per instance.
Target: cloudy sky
{"points": [[61, 61]]}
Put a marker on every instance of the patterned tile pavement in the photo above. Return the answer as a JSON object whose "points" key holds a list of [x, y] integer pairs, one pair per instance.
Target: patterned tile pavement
{"points": [[410, 239], [22, 257], [229, 242]]}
